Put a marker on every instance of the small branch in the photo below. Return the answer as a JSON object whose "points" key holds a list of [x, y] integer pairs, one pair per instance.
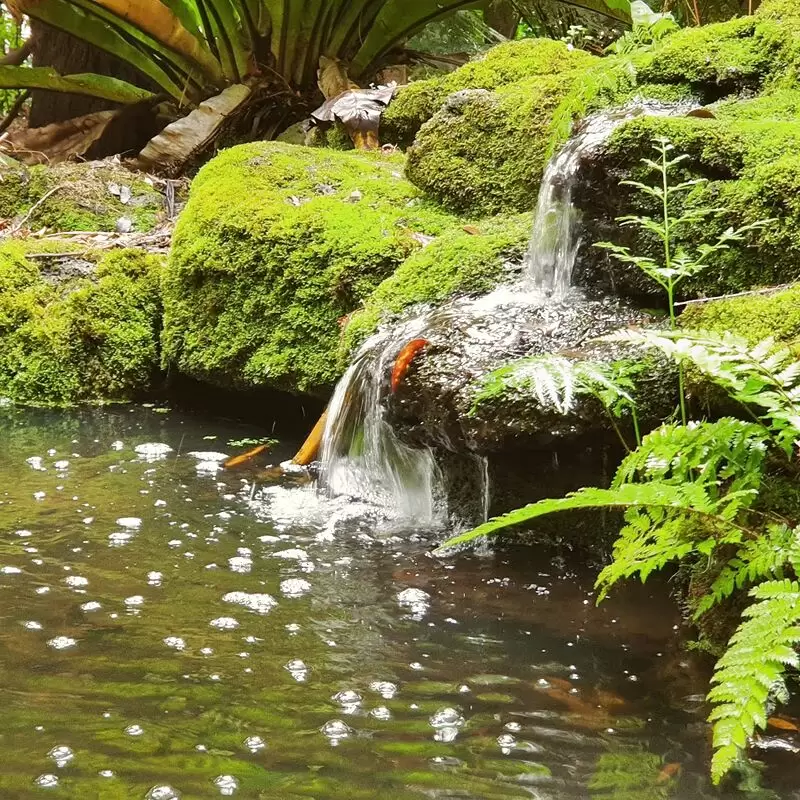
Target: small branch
{"points": [[33, 208], [768, 290], [14, 111], [17, 57]]}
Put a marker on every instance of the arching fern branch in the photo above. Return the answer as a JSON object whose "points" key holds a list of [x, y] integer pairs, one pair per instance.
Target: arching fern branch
{"points": [[752, 668]]}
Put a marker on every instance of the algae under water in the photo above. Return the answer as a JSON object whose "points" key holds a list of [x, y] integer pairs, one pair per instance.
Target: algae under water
{"points": [[168, 629]]}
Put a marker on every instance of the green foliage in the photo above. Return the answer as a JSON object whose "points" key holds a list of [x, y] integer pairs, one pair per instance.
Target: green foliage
{"points": [[457, 262], [277, 245], [629, 774], [69, 340], [752, 668]]}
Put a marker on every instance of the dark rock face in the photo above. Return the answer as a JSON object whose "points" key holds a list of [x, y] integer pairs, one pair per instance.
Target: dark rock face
{"points": [[469, 339]]}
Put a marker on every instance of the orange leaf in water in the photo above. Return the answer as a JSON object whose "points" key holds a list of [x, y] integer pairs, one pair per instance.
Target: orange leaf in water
{"points": [[404, 359], [669, 772], [237, 461], [782, 724]]}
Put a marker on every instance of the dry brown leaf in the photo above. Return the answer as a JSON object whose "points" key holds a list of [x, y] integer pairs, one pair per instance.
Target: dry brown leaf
{"points": [[60, 141], [782, 724]]}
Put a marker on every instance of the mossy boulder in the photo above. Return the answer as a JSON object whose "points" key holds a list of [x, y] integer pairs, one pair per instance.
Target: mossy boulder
{"points": [[755, 317], [505, 64], [746, 159], [468, 259], [277, 244], [67, 339], [79, 197], [484, 151]]}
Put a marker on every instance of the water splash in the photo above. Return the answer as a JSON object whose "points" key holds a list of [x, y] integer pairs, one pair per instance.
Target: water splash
{"points": [[362, 456], [556, 236]]}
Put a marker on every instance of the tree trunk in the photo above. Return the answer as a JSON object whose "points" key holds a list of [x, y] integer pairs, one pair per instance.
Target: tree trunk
{"points": [[502, 16], [70, 55]]}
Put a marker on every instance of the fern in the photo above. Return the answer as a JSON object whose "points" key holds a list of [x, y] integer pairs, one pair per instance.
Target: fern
{"points": [[686, 498], [727, 455], [758, 654], [758, 559]]}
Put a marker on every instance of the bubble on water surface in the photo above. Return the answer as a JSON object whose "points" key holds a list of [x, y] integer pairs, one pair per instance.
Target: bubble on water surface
{"points": [[175, 642], [336, 730], [10, 570], [386, 689], [208, 467], [61, 643], [254, 743], [416, 601], [92, 605], [31, 625], [62, 755], [260, 603], [209, 456], [152, 451], [24, 534], [36, 463], [134, 730], [506, 742], [348, 699], [76, 581], [224, 623], [39, 495], [154, 578], [295, 587], [118, 445], [240, 564], [61, 465], [106, 773], [134, 600], [47, 781], [226, 784], [162, 793], [293, 553], [381, 713], [130, 522], [297, 669], [119, 538], [446, 717]]}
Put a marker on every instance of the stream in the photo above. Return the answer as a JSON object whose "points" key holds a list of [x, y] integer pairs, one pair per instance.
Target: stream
{"points": [[169, 629]]}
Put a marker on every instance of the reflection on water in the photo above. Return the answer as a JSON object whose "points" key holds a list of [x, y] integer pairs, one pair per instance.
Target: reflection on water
{"points": [[168, 629]]}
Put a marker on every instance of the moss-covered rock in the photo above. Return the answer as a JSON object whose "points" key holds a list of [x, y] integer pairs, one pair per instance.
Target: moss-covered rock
{"points": [[277, 244], [755, 317], [79, 197], [65, 340], [462, 261], [484, 151], [505, 64], [746, 158]]}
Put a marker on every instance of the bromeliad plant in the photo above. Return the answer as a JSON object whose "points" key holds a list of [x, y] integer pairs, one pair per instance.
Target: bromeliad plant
{"points": [[695, 494]]}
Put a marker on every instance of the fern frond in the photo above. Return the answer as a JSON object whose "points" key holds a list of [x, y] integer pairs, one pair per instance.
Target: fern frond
{"points": [[758, 559], [727, 456], [674, 498], [758, 654]]}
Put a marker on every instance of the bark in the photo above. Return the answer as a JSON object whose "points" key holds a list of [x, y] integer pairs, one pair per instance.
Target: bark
{"points": [[69, 55]]}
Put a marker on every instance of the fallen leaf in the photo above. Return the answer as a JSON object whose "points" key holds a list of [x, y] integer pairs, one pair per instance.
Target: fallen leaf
{"points": [[702, 113], [472, 230], [782, 724], [669, 772], [404, 359], [237, 461]]}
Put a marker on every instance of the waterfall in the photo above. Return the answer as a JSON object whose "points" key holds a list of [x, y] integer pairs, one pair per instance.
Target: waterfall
{"points": [[556, 236], [362, 456]]}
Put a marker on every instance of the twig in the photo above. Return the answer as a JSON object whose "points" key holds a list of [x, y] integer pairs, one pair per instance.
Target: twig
{"points": [[13, 112], [768, 290], [33, 208]]}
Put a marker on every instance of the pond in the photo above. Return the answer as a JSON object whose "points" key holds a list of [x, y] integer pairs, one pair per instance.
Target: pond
{"points": [[169, 629]]}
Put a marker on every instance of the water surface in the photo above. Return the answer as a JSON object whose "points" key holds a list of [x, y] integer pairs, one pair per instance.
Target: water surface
{"points": [[168, 629]]}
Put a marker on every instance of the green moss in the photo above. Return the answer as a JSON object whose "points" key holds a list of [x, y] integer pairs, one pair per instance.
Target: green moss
{"points": [[485, 152], [456, 263], [76, 197], [502, 65], [755, 317], [276, 245], [727, 56], [83, 339]]}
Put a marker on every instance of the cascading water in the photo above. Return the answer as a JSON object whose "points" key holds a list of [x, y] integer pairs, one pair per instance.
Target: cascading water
{"points": [[361, 455], [556, 238]]}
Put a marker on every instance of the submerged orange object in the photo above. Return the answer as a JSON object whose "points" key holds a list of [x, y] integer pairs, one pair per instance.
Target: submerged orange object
{"points": [[404, 359], [237, 461]]}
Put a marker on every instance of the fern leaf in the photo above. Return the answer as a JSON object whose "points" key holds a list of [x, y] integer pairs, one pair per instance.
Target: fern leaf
{"points": [[758, 654]]}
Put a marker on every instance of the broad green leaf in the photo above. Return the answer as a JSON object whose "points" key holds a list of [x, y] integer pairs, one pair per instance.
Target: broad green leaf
{"points": [[87, 84]]}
